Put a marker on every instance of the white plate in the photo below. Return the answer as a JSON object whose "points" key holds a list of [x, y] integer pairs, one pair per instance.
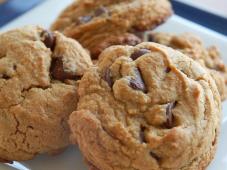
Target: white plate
{"points": [[71, 159]]}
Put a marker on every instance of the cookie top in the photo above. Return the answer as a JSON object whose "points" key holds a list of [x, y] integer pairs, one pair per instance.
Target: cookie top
{"points": [[87, 18], [192, 46], [100, 42], [146, 107], [38, 73]]}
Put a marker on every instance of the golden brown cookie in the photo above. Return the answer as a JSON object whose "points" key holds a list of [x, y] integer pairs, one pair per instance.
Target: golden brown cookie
{"points": [[38, 82], [87, 20], [146, 107], [100, 42], [192, 46]]}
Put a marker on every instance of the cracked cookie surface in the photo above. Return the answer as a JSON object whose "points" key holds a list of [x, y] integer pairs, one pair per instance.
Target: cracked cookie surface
{"points": [[146, 107], [192, 46], [38, 73], [87, 20]]}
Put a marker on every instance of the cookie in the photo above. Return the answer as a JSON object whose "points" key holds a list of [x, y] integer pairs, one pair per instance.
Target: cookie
{"points": [[192, 46], [38, 90], [85, 20], [100, 42], [146, 107]]}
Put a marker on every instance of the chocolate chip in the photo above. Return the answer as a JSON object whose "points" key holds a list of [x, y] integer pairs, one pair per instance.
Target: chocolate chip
{"points": [[6, 77], [142, 134], [101, 10], [169, 114], [108, 77], [139, 53], [48, 39], [14, 67], [58, 72], [155, 156], [137, 83], [84, 19], [168, 69], [150, 37]]}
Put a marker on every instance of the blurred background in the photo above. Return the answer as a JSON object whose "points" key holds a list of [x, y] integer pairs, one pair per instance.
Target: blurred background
{"points": [[218, 7], [209, 13]]}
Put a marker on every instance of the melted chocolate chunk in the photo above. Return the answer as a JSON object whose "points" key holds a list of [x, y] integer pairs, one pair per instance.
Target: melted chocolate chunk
{"points": [[169, 114], [58, 72], [6, 77], [155, 156], [14, 67], [168, 69], [101, 10], [137, 83], [142, 134], [139, 53], [48, 39], [108, 77], [84, 19]]}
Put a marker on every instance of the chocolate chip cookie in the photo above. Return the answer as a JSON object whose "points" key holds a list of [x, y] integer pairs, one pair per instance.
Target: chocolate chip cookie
{"points": [[102, 41], [146, 107], [38, 90], [192, 46], [87, 20]]}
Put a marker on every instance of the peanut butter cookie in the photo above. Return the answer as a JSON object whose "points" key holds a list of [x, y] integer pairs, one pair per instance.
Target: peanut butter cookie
{"points": [[102, 41], [38, 83], [146, 107], [192, 46], [85, 20]]}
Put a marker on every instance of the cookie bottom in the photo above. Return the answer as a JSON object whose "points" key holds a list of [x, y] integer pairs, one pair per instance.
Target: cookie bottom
{"points": [[200, 163]]}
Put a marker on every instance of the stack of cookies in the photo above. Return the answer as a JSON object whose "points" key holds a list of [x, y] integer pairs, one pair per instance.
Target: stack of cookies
{"points": [[131, 99]]}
